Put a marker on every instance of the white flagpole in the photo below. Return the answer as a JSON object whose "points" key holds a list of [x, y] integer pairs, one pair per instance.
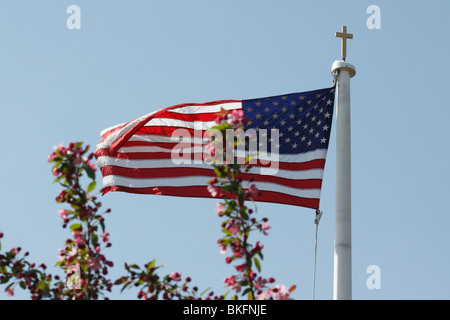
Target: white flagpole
{"points": [[343, 71]]}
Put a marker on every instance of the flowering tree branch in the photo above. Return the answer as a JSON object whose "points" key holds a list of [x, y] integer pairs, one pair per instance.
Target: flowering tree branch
{"points": [[240, 220]]}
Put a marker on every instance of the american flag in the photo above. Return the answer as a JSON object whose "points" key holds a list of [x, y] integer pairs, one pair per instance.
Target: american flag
{"points": [[136, 157]]}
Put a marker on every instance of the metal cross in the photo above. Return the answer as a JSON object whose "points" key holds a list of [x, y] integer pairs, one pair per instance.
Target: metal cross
{"points": [[344, 35]]}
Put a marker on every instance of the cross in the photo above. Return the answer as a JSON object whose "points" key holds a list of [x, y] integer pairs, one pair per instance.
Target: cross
{"points": [[344, 35]]}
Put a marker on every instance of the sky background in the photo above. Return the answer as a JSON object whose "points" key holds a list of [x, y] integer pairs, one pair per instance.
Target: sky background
{"points": [[133, 57]]}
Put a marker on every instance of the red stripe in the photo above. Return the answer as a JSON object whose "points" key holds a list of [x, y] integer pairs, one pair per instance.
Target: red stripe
{"points": [[119, 142], [202, 192], [166, 131], [189, 172]]}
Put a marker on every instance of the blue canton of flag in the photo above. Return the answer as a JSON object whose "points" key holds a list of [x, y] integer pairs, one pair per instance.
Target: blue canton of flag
{"points": [[303, 119]]}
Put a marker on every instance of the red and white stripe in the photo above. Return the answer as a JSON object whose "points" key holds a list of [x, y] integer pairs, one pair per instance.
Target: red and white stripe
{"points": [[136, 157]]}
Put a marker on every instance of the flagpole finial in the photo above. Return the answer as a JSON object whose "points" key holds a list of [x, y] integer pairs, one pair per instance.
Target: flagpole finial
{"points": [[344, 35], [342, 65]]}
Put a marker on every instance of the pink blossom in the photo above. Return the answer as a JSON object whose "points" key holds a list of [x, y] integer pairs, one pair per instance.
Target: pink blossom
{"points": [[214, 190], [92, 166], [105, 236], [61, 255], [80, 241], [73, 252], [233, 227], [238, 252], [234, 119], [232, 284], [219, 208], [94, 263], [10, 292], [56, 171], [265, 227], [253, 191], [211, 149], [277, 293], [258, 247], [223, 248], [241, 268], [51, 157], [63, 213], [71, 269], [175, 276]]}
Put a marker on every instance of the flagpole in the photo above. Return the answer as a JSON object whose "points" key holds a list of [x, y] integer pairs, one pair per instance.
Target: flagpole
{"points": [[343, 71]]}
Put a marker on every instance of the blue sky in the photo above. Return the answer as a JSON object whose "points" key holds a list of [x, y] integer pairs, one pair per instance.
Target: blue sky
{"points": [[133, 57]]}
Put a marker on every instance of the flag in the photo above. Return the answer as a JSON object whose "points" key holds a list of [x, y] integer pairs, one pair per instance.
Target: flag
{"points": [[138, 156]]}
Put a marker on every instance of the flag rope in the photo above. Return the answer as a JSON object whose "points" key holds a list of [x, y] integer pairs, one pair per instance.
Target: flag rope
{"points": [[316, 222]]}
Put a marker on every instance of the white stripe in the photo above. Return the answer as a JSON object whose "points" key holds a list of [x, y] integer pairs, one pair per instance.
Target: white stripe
{"points": [[168, 163], [117, 134], [208, 109], [291, 158], [167, 122], [165, 139], [202, 181]]}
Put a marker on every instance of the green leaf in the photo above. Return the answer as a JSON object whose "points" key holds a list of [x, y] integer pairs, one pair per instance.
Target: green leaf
{"points": [[22, 284], [75, 226], [91, 186], [90, 172], [151, 264], [246, 291], [121, 280], [126, 285], [204, 291], [59, 263], [102, 224], [228, 233], [94, 239], [258, 265], [42, 285], [134, 266]]}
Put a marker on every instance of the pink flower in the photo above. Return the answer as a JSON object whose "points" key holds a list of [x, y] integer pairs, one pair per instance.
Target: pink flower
{"points": [[175, 276], [211, 149], [234, 119], [61, 255], [10, 292], [232, 284], [94, 263], [92, 166], [56, 171], [265, 227], [214, 190], [223, 248], [253, 191], [238, 252], [51, 157], [72, 269], [277, 293], [241, 268], [233, 227], [105, 236], [219, 208], [80, 241], [63, 213]]}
